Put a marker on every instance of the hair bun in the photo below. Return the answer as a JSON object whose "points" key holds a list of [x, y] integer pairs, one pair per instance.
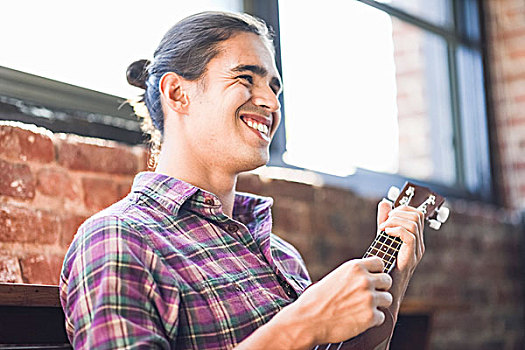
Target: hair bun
{"points": [[137, 73]]}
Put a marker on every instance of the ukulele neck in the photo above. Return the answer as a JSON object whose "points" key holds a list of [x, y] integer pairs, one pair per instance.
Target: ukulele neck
{"points": [[385, 247]]}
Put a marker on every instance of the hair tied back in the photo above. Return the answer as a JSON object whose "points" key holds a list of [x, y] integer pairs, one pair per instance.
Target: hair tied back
{"points": [[137, 73]]}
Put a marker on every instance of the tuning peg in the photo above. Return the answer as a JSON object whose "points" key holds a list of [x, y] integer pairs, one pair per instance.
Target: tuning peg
{"points": [[434, 224], [393, 193], [442, 214]]}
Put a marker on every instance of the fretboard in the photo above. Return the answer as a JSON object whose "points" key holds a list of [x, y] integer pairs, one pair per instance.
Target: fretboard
{"points": [[385, 247]]}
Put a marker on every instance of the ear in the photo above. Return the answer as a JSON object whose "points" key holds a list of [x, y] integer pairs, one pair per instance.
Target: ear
{"points": [[171, 90]]}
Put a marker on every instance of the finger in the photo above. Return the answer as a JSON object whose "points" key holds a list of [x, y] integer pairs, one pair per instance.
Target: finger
{"points": [[407, 224], [373, 264], [408, 209], [379, 318], [383, 208], [383, 299], [406, 236], [382, 281], [409, 215]]}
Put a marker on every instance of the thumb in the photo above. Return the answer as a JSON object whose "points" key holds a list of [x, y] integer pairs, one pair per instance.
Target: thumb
{"points": [[383, 208]]}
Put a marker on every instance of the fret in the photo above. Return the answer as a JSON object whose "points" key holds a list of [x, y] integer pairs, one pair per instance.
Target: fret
{"points": [[386, 248], [381, 253]]}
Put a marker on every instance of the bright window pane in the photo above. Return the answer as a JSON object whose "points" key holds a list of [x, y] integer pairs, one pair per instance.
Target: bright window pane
{"points": [[339, 86], [365, 90], [438, 12], [90, 43]]}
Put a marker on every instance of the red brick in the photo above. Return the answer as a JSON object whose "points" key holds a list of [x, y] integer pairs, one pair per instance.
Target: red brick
{"points": [[28, 226], [100, 193], [70, 225], [144, 159], [40, 269], [106, 157], [56, 183], [10, 269], [288, 189], [249, 183], [23, 142], [123, 188], [16, 180]]}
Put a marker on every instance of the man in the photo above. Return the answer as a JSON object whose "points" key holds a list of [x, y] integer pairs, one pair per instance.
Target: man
{"points": [[186, 262]]}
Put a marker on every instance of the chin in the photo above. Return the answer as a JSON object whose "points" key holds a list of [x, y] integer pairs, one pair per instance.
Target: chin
{"points": [[254, 163]]}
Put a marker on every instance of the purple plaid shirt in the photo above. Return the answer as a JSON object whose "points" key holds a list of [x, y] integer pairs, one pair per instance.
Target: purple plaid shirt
{"points": [[165, 268]]}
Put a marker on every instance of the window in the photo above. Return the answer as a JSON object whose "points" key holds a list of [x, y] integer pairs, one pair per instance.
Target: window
{"points": [[382, 91], [375, 92]]}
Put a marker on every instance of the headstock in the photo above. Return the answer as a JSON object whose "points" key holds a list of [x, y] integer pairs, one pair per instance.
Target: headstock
{"points": [[420, 197]]}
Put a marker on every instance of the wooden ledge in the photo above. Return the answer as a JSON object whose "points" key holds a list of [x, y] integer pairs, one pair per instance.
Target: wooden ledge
{"points": [[20, 294]]}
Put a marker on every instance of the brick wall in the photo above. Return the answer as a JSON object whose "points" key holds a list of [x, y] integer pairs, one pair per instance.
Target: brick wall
{"points": [[415, 149], [506, 25], [49, 184]]}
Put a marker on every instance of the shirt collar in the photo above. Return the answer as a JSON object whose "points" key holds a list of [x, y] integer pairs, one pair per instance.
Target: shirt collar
{"points": [[172, 193]]}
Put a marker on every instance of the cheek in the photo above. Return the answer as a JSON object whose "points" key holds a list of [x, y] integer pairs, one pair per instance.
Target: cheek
{"points": [[276, 122]]}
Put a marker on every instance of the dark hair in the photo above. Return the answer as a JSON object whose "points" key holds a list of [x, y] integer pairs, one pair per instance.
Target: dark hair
{"points": [[186, 49]]}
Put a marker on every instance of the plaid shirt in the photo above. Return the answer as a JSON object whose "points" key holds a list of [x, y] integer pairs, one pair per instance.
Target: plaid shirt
{"points": [[166, 268]]}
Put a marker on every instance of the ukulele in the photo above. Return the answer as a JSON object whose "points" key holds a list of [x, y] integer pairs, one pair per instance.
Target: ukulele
{"points": [[387, 247]]}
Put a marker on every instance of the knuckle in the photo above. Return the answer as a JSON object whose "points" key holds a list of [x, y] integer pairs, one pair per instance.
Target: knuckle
{"points": [[411, 238], [354, 269], [379, 317], [389, 298], [363, 282], [369, 300], [388, 280], [369, 316]]}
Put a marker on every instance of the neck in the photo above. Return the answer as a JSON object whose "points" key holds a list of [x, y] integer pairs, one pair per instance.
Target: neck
{"points": [[385, 247], [182, 165]]}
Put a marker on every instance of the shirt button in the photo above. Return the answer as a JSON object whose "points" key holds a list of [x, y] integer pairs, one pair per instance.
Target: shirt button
{"points": [[232, 228]]}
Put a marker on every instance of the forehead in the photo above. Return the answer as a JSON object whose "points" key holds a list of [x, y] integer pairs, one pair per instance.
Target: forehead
{"points": [[244, 49]]}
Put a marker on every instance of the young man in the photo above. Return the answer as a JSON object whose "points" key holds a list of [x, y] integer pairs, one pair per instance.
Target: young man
{"points": [[184, 261]]}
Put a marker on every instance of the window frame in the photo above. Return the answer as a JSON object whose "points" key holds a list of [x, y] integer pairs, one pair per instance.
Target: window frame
{"points": [[371, 183]]}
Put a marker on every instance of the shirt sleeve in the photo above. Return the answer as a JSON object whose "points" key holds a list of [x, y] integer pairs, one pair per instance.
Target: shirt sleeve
{"points": [[109, 290], [290, 261]]}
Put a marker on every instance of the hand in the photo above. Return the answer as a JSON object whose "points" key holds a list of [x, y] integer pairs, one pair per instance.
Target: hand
{"points": [[344, 303], [406, 223]]}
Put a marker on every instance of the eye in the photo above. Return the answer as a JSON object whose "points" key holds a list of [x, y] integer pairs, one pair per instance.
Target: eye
{"points": [[246, 77]]}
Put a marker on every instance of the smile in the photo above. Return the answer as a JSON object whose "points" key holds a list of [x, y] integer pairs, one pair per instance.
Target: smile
{"points": [[261, 125]]}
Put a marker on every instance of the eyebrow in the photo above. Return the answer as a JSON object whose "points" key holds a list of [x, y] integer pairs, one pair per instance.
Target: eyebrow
{"points": [[259, 70]]}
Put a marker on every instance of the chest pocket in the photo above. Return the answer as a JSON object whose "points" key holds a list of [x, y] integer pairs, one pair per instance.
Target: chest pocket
{"points": [[220, 312]]}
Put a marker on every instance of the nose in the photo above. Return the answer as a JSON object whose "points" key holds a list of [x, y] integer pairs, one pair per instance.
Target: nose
{"points": [[266, 98]]}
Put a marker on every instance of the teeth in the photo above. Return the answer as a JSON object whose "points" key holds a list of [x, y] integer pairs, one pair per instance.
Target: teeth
{"points": [[257, 126]]}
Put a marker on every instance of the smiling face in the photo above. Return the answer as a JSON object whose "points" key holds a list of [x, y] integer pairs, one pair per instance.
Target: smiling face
{"points": [[234, 111]]}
